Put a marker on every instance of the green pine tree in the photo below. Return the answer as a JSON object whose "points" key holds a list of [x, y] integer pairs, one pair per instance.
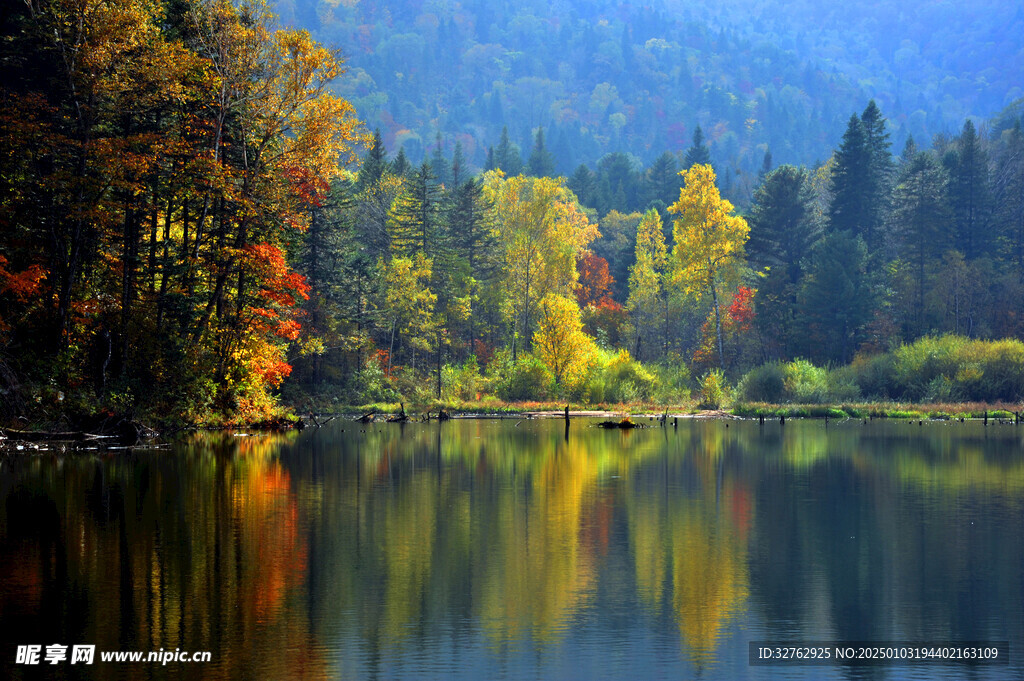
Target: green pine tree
{"points": [[970, 195], [698, 153], [541, 163]]}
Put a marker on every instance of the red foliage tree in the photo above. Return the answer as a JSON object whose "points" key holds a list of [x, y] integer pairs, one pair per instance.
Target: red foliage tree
{"points": [[595, 280]]}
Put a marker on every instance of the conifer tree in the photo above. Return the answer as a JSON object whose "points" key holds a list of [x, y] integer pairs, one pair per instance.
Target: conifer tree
{"points": [[661, 180], [970, 195], [417, 226], [374, 163], [1009, 185], [849, 187], [401, 166], [439, 165], [541, 163], [459, 170], [782, 234], [921, 219], [507, 157], [878, 180], [582, 185], [836, 298], [698, 152]]}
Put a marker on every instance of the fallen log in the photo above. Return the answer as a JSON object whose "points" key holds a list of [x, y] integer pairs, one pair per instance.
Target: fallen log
{"points": [[48, 436]]}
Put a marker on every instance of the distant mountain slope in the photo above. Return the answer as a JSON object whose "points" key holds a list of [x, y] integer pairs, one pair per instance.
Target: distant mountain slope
{"points": [[931, 63], [599, 77]]}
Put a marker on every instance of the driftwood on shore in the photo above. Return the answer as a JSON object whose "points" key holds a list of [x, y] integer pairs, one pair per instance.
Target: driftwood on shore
{"points": [[401, 416], [56, 436], [124, 430]]}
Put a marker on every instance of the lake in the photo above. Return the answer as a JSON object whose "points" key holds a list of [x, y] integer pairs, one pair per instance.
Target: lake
{"points": [[504, 549]]}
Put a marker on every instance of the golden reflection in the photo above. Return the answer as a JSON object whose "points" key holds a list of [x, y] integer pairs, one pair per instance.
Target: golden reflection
{"points": [[540, 572], [691, 550], [196, 549]]}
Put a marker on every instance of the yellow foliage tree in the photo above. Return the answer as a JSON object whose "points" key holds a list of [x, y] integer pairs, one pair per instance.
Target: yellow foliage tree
{"points": [[561, 343], [544, 232], [709, 239], [646, 276], [409, 298]]}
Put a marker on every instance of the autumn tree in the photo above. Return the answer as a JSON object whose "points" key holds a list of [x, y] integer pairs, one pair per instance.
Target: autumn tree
{"points": [[616, 245], [709, 240], [595, 282], [561, 343], [544, 232], [410, 303], [647, 278]]}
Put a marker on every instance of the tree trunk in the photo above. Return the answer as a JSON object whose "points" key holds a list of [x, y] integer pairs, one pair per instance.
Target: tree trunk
{"points": [[718, 325], [439, 365]]}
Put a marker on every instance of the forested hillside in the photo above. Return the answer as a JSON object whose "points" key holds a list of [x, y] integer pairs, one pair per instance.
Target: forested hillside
{"points": [[930, 64], [597, 76], [604, 77]]}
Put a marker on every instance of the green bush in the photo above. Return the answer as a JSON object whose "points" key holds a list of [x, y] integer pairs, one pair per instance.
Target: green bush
{"points": [[798, 381], [524, 379], [713, 390], [617, 378], [462, 381], [627, 381], [766, 383], [806, 383], [371, 384], [673, 381], [873, 375], [945, 369]]}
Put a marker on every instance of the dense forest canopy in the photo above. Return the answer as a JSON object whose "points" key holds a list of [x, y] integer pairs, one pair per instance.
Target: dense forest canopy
{"points": [[195, 220], [604, 77]]}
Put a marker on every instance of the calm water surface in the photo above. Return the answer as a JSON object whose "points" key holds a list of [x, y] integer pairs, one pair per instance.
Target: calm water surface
{"points": [[503, 550]]}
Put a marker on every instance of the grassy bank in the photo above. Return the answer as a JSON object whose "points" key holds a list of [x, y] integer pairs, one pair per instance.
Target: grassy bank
{"points": [[883, 410], [865, 410]]}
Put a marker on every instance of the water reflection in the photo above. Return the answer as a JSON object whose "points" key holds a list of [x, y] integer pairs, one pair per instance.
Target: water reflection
{"points": [[487, 548]]}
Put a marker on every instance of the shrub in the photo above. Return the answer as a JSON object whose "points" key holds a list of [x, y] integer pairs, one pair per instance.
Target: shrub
{"points": [[806, 383], [461, 381], [713, 390], [626, 380], [673, 385], [372, 385], [524, 379], [766, 383], [945, 369], [798, 381], [873, 375]]}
